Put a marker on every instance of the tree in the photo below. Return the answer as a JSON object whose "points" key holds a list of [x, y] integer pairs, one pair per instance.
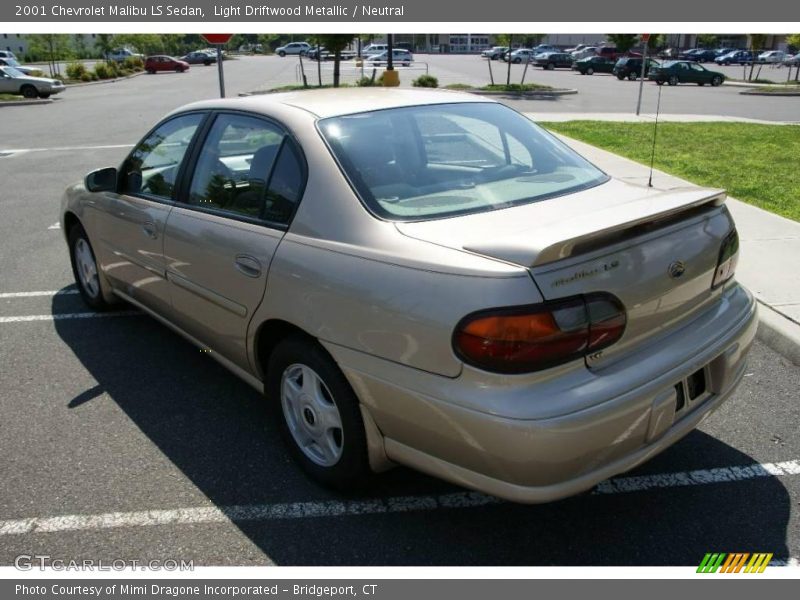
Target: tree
{"points": [[623, 41], [793, 42], [532, 39], [146, 43], [657, 40], [105, 43], [79, 42], [707, 40], [757, 42], [336, 42], [53, 47]]}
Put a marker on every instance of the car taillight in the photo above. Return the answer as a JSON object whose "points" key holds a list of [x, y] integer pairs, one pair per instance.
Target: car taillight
{"points": [[728, 257], [523, 339]]}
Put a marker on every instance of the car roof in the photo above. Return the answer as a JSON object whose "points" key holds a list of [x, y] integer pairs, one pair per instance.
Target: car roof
{"points": [[335, 102]]}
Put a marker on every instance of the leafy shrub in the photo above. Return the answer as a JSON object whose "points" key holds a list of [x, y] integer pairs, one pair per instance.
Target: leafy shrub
{"points": [[365, 82], [76, 70], [38, 73], [86, 76], [426, 81], [105, 70], [133, 63]]}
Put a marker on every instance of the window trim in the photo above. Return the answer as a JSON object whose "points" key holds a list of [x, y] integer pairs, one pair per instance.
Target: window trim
{"points": [[183, 189], [181, 168]]}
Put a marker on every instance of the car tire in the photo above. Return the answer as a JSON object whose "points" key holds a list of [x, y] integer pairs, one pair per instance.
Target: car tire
{"points": [[151, 71], [673, 80], [716, 81], [207, 63], [590, 71], [620, 76], [632, 76], [517, 61], [44, 95], [84, 269], [318, 413], [659, 82], [282, 54], [28, 91]]}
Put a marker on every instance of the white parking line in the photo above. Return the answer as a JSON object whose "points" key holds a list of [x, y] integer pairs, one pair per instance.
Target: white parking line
{"points": [[699, 477], [63, 148], [33, 294], [335, 508], [63, 316], [55, 226]]}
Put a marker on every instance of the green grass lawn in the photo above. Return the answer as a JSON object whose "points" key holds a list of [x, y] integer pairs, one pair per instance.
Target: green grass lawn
{"points": [[757, 164]]}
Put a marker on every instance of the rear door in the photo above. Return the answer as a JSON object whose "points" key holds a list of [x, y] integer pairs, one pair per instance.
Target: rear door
{"points": [[247, 180]]}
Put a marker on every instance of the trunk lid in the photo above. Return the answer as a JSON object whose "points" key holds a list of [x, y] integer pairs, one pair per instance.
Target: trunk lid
{"points": [[656, 251]]}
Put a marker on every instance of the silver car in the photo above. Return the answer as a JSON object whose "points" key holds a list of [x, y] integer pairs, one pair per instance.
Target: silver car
{"points": [[14, 81], [300, 48], [424, 278]]}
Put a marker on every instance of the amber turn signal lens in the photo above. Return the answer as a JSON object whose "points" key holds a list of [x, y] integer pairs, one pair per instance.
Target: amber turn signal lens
{"points": [[532, 338]]}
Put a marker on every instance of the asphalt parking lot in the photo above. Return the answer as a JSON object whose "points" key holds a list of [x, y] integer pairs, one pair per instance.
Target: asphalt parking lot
{"points": [[121, 440]]}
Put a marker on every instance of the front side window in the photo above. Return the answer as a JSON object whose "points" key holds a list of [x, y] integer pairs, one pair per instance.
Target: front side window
{"points": [[152, 167], [234, 165], [436, 161]]}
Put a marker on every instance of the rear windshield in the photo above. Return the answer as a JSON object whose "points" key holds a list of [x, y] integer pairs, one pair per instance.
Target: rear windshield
{"points": [[435, 161]]}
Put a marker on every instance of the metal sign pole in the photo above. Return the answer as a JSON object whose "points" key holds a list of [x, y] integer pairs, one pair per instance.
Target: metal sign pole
{"points": [[641, 81], [219, 69]]}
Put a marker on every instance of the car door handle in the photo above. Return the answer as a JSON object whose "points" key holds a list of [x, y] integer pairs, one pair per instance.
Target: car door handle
{"points": [[247, 265], [149, 229]]}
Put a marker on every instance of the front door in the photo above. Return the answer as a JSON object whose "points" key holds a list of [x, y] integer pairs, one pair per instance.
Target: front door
{"points": [[221, 238], [130, 224]]}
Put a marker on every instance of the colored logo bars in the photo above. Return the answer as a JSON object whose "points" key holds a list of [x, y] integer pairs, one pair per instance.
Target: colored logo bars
{"points": [[735, 562]]}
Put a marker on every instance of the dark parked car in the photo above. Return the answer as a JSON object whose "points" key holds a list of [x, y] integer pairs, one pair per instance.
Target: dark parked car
{"points": [[554, 60], [689, 54], [630, 67], [607, 52], [199, 58], [684, 71], [594, 64], [704, 56], [742, 57], [165, 63]]}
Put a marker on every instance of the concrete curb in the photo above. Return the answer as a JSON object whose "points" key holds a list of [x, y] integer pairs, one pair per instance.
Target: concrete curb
{"points": [[116, 79], [779, 333], [755, 92], [531, 94], [26, 102]]}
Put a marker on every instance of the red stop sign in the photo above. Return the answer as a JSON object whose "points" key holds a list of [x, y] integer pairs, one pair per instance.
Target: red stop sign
{"points": [[216, 38], [645, 37]]}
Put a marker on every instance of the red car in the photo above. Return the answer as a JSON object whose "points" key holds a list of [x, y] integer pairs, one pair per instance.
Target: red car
{"points": [[165, 63]]}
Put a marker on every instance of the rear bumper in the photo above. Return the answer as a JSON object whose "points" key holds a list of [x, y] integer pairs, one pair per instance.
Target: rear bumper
{"points": [[629, 416]]}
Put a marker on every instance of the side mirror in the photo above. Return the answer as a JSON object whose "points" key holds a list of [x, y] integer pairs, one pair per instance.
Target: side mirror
{"points": [[102, 180]]}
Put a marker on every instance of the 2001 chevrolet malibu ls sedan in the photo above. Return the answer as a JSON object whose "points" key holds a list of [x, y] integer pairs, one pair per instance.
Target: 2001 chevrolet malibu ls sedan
{"points": [[424, 278]]}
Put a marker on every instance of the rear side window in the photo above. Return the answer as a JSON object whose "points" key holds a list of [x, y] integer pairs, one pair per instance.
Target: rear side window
{"points": [[285, 185]]}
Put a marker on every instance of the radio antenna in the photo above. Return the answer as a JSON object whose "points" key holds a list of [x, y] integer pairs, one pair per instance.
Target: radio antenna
{"points": [[655, 131]]}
